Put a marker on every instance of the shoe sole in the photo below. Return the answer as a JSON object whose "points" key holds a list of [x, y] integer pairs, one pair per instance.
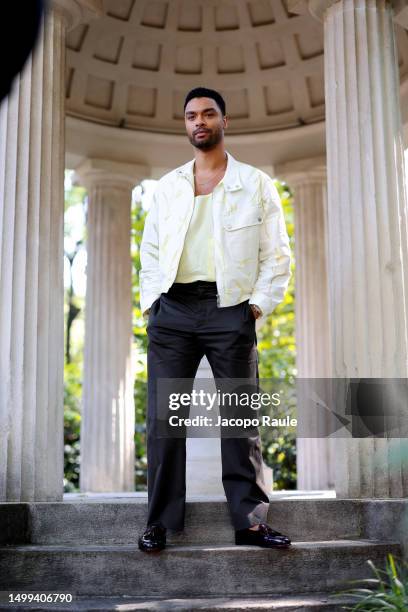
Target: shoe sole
{"points": [[151, 550]]}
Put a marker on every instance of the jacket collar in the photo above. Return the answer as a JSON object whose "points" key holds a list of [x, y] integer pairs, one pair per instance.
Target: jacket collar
{"points": [[231, 178]]}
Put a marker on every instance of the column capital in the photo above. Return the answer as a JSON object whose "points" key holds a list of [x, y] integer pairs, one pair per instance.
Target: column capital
{"points": [[110, 173], [78, 11], [299, 172], [317, 9], [400, 12]]}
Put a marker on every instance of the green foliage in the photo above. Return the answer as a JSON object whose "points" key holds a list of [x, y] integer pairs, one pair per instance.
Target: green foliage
{"points": [[277, 360], [276, 348], [140, 338], [139, 324], [276, 338], [72, 371], [74, 195], [388, 591], [277, 354], [72, 424]]}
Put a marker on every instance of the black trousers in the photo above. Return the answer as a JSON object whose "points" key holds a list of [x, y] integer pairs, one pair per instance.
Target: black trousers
{"points": [[184, 325]]}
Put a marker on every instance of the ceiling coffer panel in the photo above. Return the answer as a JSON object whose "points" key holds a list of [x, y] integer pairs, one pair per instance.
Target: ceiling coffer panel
{"points": [[141, 101], [134, 66]]}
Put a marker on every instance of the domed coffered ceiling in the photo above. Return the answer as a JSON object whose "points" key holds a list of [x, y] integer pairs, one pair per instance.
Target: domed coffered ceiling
{"points": [[132, 67]]}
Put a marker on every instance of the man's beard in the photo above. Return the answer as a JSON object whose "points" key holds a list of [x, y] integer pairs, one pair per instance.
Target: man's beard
{"points": [[210, 142]]}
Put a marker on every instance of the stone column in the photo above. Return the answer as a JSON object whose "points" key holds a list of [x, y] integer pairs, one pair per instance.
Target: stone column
{"points": [[204, 463], [108, 412], [31, 268], [367, 226], [307, 178]]}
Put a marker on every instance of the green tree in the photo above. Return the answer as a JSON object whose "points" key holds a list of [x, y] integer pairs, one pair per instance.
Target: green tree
{"points": [[277, 354], [140, 337], [276, 348], [277, 360], [73, 343]]}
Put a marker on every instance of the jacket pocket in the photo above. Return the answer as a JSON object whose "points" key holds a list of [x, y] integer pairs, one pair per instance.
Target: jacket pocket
{"points": [[244, 219], [241, 235]]}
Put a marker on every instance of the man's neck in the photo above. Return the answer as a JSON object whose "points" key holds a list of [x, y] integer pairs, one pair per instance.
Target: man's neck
{"points": [[207, 161]]}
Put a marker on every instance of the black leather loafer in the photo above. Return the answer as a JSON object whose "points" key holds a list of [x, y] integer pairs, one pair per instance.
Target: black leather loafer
{"points": [[153, 538], [264, 536]]}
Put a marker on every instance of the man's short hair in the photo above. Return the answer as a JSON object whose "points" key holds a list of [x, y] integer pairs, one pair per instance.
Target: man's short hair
{"points": [[203, 92]]}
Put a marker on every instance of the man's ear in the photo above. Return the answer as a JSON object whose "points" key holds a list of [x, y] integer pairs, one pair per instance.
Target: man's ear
{"points": [[225, 121]]}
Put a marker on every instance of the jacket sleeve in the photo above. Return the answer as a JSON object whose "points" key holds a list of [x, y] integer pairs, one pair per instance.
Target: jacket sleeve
{"points": [[274, 252], [149, 274]]}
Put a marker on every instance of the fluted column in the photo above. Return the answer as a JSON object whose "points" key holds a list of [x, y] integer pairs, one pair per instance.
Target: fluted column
{"points": [[367, 226], [203, 455], [108, 412], [307, 178], [203, 462], [31, 268]]}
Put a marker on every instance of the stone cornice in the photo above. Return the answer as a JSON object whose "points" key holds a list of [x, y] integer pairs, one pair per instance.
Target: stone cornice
{"points": [[317, 9], [300, 172], [93, 172]]}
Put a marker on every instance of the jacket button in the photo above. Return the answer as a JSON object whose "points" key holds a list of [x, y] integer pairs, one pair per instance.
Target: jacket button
{"points": [[259, 218]]}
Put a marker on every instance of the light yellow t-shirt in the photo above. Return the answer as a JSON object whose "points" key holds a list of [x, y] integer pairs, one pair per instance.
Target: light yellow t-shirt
{"points": [[197, 257]]}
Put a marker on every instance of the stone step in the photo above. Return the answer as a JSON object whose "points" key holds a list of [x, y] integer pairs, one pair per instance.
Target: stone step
{"points": [[206, 522], [318, 602], [190, 571]]}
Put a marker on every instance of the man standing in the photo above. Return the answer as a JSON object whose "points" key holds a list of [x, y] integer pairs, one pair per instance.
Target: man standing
{"points": [[215, 257]]}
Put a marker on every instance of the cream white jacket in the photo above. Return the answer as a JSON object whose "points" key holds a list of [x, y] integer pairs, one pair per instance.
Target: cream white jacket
{"points": [[251, 245]]}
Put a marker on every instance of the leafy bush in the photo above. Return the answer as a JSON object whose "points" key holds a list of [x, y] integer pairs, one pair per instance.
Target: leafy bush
{"points": [[276, 349], [388, 591], [277, 360], [72, 425]]}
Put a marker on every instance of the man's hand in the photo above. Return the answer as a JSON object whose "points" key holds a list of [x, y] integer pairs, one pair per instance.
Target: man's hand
{"points": [[256, 311]]}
